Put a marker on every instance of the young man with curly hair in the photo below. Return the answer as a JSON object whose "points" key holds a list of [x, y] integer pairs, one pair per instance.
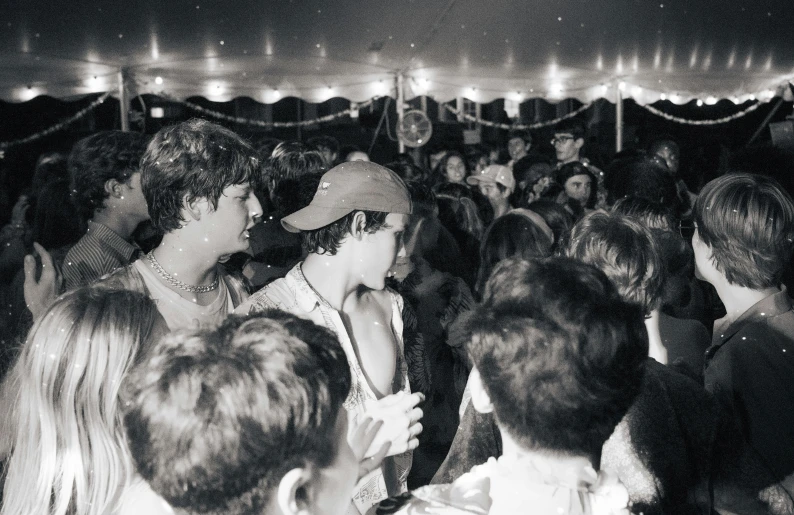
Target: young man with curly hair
{"points": [[104, 171], [197, 179], [352, 231]]}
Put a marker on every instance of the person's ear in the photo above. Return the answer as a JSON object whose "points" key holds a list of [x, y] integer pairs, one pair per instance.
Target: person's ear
{"points": [[578, 143], [293, 493], [196, 207], [114, 188], [479, 397], [358, 224]]}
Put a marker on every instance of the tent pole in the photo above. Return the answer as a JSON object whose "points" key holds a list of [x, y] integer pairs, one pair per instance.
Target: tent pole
{"points": [[618, 120], [400, 109], [124, 108], [766, 120]]}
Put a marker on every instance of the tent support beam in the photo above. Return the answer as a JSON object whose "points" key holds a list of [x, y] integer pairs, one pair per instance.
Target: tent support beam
{"points": [[400, 108], [766, 120], [618, 120], [124, 101]]}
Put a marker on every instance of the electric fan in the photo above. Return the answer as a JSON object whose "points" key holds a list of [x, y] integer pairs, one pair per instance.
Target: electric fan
{"points": [[415, 129]]}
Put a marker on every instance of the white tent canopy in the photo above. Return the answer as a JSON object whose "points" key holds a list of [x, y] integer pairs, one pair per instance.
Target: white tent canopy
{"points": [[318, 49]]}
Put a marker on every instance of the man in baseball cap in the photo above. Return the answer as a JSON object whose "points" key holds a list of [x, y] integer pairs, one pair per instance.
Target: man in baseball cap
{"points": [[352, 231], [496, 183]]}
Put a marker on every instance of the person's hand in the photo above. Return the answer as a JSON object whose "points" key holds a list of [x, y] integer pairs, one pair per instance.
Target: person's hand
{"points": [[41, 292], [360, 441], [400, 418], [20, 209]]}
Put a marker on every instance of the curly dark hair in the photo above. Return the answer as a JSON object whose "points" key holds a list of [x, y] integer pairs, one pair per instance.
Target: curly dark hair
{"points": [[191, 160], [216, 417], [560, 354], [99, 158], [326, 240]]}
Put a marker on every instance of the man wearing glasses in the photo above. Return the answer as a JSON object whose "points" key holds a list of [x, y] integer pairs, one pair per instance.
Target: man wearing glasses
{"points": [[568, 141]]}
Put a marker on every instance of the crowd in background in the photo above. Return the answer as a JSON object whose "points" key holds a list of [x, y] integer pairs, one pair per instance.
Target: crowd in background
{"points": [[186, 317]]}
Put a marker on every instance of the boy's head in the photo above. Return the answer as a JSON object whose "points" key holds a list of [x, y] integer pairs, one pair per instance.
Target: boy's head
{"points": [[327, 146], [625, 251], [744, 231], [568, 139], [199, 177], [244, 418], [518, 144], [197, 161], [104, 172], [558, 355], [496, 183], [578, 182], [362, 204]]}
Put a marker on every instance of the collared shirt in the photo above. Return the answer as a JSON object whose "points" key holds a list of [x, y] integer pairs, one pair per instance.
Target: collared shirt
{"points": [[750, 370], [295, 295], [99, 252]]}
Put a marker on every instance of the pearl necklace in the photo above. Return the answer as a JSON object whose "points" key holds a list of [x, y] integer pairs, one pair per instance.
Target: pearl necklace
{"points": [[176, 283]]}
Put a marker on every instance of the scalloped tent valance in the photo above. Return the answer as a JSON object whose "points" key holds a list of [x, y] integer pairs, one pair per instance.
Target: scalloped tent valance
{"points": [[318, 49]]}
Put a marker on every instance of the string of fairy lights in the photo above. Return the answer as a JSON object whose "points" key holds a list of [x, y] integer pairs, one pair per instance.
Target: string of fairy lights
{"points": [[423, 84]]}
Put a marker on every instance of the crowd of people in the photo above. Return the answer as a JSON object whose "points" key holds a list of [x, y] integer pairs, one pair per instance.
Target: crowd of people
{"points": [[195, 325]]}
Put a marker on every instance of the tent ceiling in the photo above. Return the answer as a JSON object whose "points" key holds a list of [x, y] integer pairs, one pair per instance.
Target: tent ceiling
{"points": [[316, 49]]}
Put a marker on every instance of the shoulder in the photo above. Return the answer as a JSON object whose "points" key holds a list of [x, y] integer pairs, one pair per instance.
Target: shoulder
{"points": [[125, 278], [277, 294]]}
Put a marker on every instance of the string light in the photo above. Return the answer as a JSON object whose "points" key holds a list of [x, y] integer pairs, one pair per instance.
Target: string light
{"points": [[158, 80]]}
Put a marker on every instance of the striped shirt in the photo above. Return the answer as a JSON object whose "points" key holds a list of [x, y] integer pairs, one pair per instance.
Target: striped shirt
{"points": [[99, 252]]}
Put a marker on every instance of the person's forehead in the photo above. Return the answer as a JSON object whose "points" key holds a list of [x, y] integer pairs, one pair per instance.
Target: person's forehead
{"points": [[237, 188], [563, 135], [515, 140], [580, 178]]}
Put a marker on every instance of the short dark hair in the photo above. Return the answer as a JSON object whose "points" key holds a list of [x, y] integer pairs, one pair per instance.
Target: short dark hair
{"points": [[99, 158], [559, 219], [652, 215], [560, 354], [327, 239], [573, 126], [520, 133], [323, 141], [663, 142], [510, 235], [290, 164], [748, 222], [191, 160], [216, 417], [641, 177], [625, 251]]}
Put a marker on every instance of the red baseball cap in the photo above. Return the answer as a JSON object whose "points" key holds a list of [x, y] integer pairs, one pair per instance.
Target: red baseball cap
{"points": [[351, 186]]}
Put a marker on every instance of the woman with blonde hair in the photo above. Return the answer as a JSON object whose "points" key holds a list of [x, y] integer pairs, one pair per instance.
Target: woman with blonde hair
{"points": [[62, 438]]}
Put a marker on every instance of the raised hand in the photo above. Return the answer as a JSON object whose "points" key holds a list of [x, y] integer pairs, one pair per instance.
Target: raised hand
{"points": [[400, 416], [41, 292]]}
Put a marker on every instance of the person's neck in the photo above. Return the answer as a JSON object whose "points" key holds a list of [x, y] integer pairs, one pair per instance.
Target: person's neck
{"points": [[180, 259], [560, 465], [656, 348], [122, 225], [500, 208], [571, 160], [738, 299], [331, 277]]}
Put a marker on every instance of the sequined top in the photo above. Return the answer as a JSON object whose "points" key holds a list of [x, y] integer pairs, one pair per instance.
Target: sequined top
{"points": [[295, 295]]}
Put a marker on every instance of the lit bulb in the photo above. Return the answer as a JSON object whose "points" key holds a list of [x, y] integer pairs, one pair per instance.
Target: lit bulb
{"points": [[158, 80]]}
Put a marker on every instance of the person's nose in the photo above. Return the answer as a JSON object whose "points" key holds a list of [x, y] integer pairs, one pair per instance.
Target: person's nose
{"points": [[255, 208]]}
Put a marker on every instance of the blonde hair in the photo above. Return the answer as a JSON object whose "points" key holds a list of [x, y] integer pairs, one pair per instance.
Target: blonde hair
{"points": [[63, 425]]}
